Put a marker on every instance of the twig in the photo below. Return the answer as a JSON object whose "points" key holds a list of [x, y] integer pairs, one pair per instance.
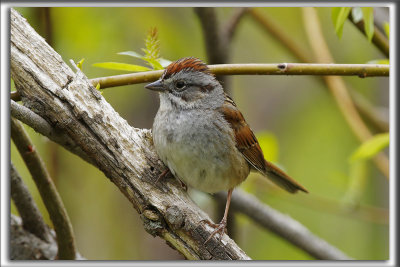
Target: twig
{"points": [[32, 220], [271, 27], [47, 190], [294, 48], [337, 86], [361, 70], [284, 226], [378, 39], [231, 25]]}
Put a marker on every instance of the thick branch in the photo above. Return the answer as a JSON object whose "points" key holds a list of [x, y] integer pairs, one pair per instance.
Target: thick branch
{"points": [[47, 190], [32, 219], [284, 226], [361, 70], [126, 155], [41, 126]]}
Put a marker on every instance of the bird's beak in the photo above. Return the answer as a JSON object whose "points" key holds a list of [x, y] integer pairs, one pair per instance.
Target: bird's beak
{"points": [[156, 86]]}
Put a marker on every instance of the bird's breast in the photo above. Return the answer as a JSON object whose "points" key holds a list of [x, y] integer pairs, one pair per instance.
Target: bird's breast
{"points": [[199, 148]]}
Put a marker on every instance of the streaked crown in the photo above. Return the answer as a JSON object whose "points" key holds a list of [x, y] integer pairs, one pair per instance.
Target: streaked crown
{"points": [[185, 64]]}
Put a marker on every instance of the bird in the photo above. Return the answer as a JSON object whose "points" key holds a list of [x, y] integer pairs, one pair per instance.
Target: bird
{"points": [[202, 137]]}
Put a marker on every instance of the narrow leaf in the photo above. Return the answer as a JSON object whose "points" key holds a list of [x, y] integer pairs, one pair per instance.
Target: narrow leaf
{"points": [[357, 14], [368, 14], [80, 63], [340, 15], [121, 66], [371, 147], [131, 53]]}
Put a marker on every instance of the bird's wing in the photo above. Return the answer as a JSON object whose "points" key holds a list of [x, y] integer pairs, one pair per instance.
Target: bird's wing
{"points": [[247, 144]]}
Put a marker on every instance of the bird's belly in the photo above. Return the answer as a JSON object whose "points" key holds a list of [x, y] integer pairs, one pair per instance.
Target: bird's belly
{"points": [[204, 159]]}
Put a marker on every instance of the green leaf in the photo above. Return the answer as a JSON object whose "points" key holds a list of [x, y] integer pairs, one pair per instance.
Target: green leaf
{"points": [[269, 145], [357, 181], [132, 54], [368, 14], [339, 16], [379, 61], [80, 63], [386, 28], [121, 66], [371, 147], [357, 14]]}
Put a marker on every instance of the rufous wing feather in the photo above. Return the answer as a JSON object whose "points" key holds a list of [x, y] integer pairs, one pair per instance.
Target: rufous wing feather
{"points": [[247, 144]]}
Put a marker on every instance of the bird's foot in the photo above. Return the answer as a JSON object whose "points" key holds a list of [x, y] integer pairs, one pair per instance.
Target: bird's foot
{"points": [[220, 229]]}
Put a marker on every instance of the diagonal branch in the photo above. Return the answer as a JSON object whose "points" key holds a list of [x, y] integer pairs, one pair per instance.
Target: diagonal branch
{"points": [[126, 155], [284, 226]]}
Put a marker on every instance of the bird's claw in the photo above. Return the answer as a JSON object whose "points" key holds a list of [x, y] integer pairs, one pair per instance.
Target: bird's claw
{"points": [[220, 228]]}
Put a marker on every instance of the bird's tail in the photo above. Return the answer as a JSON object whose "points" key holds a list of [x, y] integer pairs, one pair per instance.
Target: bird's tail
{"points": [[283, 180]]}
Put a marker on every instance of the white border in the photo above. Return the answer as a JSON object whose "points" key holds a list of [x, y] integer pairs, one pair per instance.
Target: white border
{"points": [[5, 138]]}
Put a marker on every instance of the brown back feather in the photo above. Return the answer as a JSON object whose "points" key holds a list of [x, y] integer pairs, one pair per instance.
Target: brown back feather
{"points": [[247, 144]]}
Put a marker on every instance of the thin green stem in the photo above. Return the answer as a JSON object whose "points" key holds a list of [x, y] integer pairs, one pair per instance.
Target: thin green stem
{"points": [[47, 190]]}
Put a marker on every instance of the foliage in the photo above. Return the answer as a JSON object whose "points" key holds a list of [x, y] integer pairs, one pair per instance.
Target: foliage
{"points": [[340, 14], [151, 56], [371, 147]]}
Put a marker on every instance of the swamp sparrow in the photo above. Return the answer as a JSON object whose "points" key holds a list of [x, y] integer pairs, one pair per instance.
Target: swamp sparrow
{"points": [[202, 137]]}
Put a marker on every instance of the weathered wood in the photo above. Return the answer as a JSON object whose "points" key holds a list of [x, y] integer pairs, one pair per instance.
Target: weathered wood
{"points": [[70, 103]]}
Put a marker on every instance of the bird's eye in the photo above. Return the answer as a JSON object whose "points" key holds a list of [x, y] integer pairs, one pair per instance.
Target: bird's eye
{"points": [[180, 85]]}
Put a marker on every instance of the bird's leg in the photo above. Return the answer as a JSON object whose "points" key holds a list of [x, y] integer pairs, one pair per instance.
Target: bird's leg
{"points": [[163, 174], [221, 227]]}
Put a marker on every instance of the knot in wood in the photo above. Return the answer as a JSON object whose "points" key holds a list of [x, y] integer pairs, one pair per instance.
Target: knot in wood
{"points": [[175, 217]]}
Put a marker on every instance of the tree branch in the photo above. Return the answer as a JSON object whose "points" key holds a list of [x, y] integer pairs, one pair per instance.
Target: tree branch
{"points": [[32, 220], [378, 39], [337, 86], [231, 25], [361, 70], [41, 126], [47, 190], [27, 246], [283, 225]]}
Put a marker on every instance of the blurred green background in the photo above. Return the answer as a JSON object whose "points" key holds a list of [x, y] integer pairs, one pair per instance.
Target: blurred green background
{"points": [[295, 118]]}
